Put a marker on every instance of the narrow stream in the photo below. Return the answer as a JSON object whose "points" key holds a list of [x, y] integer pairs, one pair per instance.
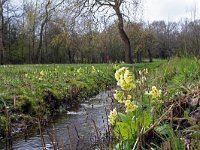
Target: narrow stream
{"points": [[73, 130]]}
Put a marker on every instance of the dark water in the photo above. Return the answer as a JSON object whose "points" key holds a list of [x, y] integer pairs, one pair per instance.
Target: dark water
{"points": [[73, 130]]}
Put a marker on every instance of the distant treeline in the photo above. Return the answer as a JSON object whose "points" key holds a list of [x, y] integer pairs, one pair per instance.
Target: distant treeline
{"points": [[50, 34]]}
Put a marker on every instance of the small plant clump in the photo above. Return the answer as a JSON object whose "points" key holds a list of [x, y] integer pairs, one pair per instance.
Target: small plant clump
{"points": [[145, 119], [136, 108]]}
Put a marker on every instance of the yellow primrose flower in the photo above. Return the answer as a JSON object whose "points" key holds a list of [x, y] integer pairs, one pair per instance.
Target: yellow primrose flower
{"points": [[78, 70], [129, 97], [93, 68], [117, 76], [125, 79], [155, 93], [128, 77], [41, 73], [119, 72], [130, 107], [128, 86], [112, 117], [119, 96], [121, 81]]}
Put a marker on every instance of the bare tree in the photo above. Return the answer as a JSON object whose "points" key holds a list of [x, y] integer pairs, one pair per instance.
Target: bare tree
{"points": [[49, 8], [45, 19], [117, 6], [2, 2]]}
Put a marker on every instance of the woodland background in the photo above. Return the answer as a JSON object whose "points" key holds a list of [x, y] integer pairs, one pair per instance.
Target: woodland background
{"points": [[53, 31]]}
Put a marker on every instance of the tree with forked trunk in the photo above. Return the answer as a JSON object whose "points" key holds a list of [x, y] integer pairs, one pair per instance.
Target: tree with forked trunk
{"points": [[119, 7]]}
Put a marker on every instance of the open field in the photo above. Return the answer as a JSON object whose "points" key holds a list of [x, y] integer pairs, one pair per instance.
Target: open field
{"points": [[30, 82]]}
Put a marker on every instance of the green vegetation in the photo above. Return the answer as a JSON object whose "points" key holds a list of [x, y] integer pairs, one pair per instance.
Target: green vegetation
{"points": [[170, 93], [30, 83], [165, 91], [177, 76], [32, 90]]}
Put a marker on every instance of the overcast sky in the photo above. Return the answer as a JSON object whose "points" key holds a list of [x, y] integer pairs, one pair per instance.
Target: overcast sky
{"points": [[169, 10]]}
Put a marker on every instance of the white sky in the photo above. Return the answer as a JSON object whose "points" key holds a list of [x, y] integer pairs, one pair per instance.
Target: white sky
{"points": [[170, 10], [167, 10]]}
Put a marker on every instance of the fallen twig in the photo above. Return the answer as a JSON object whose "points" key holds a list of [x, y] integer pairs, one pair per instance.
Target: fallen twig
{"points": [[159, 120]]}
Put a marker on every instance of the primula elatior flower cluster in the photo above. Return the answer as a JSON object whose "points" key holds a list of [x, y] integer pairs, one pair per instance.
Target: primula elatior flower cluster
{"points": [[124, 79], [42, 73], [112, 117], [120, 96], [130, 106], [154, 93]]}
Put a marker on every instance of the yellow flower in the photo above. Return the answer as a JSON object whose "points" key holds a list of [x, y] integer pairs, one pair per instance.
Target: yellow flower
{"points": [[78, 70], [119, 72], [155, 93], [128, 77], [112, 117], [42, 73], [128, 86], [130, 107], [119, 96], [129, 97], [93, 69], [121, 81], [117, 76], [125, 79]]}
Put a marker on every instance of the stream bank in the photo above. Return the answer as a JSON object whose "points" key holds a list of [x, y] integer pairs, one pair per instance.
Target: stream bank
{"points": [[82, 128]]}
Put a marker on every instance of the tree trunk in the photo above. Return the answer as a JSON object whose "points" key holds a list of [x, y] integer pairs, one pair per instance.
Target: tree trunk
{"points": [[150, 55], [44, 22], [38, 52], [1, 48], [46, 46], [139, 56], [123, 35], [70, 56], [1, 33]]}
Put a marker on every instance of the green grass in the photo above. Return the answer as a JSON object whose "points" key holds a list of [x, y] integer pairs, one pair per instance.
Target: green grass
{"points": [[44, 89], [177, 76], [30, 82], [30, 85]]}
